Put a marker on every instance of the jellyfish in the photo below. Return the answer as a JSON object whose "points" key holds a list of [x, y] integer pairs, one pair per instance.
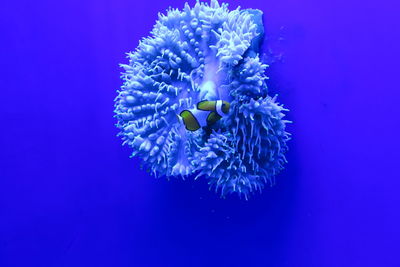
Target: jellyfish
{"points": [[194, 100]]}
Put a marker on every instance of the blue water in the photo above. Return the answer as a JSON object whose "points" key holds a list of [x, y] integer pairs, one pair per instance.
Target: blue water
{"points": [[71, 196]]}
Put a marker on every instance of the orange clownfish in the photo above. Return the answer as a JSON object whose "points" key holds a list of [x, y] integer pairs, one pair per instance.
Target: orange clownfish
{"points": [[206, 113]]}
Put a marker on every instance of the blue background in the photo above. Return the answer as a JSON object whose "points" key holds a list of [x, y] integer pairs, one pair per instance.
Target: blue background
{"points": [[71, 196]]}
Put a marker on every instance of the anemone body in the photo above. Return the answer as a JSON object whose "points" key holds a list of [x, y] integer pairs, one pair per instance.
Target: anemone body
{"points": [[203, 53]]}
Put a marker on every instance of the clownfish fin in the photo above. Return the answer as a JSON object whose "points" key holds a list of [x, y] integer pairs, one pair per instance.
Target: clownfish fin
{"points": [[212, 118], [189, 121]]}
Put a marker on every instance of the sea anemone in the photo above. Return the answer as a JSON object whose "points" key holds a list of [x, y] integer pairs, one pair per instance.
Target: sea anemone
{"points": [[203, 53]]}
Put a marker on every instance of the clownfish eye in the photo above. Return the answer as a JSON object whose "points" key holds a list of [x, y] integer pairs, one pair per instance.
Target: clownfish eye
{"points": [[225, 107]]}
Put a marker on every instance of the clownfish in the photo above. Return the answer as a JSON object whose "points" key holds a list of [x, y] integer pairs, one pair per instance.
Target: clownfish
{"points": [[206, 113]]}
